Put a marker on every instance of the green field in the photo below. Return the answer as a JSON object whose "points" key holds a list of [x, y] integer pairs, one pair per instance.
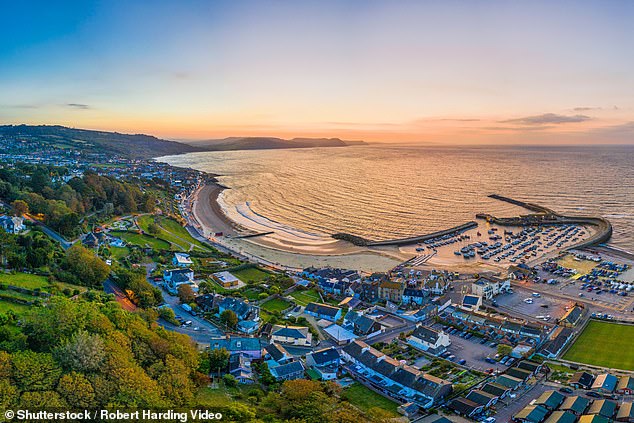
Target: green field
{"points": [[604, 344], [304, 297], [250, 274], [118, 253], [173, 232], [142, 240], [366, 399], [275, 304], [24, 280], [16, 308]]}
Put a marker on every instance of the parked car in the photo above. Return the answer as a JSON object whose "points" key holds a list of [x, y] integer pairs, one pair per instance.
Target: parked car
{"points": [[593, 394], [566, 390]]}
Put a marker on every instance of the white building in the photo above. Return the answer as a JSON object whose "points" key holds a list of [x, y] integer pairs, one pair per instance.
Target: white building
{"points": [[489, 287], [182, 260], [428, 339]]}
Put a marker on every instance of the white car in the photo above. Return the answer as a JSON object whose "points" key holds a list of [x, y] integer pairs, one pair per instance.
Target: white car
{"points": [[528, 301]]}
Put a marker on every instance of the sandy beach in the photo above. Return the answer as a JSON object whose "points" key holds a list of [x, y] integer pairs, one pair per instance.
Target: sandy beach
{"points": [[281, 248]]}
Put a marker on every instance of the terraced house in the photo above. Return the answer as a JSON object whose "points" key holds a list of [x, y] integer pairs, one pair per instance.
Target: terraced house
{"points": [[393, 378]]}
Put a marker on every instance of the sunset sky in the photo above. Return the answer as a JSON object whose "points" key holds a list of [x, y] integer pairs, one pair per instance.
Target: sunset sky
{"points": [[428, 71]]}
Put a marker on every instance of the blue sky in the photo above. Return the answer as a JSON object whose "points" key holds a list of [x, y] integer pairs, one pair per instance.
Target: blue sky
{"points": [[440, 71]]}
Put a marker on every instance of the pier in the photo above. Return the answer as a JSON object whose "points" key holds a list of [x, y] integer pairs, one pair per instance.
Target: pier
{"points": [[360, 241], [545, 216]]}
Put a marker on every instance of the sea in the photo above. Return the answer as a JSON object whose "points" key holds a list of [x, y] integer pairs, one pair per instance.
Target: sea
{"points": [[384, 191]]}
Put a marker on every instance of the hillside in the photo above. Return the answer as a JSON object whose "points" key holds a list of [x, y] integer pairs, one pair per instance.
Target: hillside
{"points": [[267, 143], [134, 146], [140, 146]]}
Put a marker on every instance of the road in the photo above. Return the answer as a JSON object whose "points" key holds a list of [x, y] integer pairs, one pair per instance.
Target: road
{"points": [[51, 233], [111, 288]]}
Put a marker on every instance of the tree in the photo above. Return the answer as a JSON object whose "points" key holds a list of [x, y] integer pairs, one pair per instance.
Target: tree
{"points": [[186, 293], [35, 371], [218, 359], [84, 264], [19, 207], [77, 390], [83, 353], [168, 315], [229, 318], [153, 228], [230, 381]]}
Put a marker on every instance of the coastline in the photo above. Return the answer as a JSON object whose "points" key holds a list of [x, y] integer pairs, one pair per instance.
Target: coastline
{"points": [[209, 218]]}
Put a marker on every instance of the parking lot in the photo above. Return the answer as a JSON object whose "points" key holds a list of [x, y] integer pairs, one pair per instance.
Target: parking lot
{"points": [[539, 307], [472, 351]]}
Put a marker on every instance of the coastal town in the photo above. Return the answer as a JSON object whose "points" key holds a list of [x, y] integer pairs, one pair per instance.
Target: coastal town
{"points": [[427, 343]]}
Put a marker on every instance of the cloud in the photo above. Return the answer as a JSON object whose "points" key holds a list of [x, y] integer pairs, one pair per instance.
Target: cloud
{"points": [[78, 106], [520, 129], [460, 120], [585, 109], [548, 118]]}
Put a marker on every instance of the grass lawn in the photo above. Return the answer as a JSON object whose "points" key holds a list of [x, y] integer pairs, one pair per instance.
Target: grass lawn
{"points": [[222, 396], [24, 280], [275, 304], [304, 297], [142, 240], [365, 399], [582, 266], [173, 232], [16, 308], [252, 293], [604, 344], [119, 252], [251, 274]]}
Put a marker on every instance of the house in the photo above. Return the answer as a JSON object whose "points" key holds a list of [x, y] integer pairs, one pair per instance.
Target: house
{"points": [[625, 385], [421, 314], [240, 368], [465, 407], [471, 302], [605, 383], [227, 280], [251, 347], [434, 418], [323, 311], [414, 296], [393, 378], [428, 339], [571, 317], [496, 389], [408, 409], [292, 335], [12, 224], [361, 324], [248, 315], [483, 398], [575, 404], [288, 371], [531, 414], [277, 353], [369, 291], [176, 277], [207, 302], [626, 413], [519, 373], [531, 366], [339, 334], [593, 418], [581, 380], [509, 381], [391, 291], [558, 340], [550, 400], [182, 260], [602, 407], [90, 240], [561, 417], [325, 362], [488, 287]]}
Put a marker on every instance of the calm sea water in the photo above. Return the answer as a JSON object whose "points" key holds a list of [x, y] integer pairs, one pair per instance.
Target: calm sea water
{"points": [[384, 192]]}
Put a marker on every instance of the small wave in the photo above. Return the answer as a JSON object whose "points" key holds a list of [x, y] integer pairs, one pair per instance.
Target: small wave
{"points": [[248, 213]]}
